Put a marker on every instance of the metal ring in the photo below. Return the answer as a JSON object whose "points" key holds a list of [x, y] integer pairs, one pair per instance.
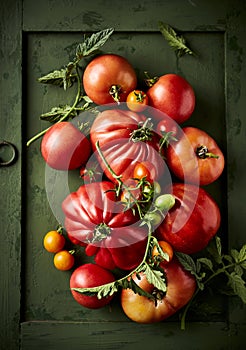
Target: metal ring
{"points": [[13, 154]]}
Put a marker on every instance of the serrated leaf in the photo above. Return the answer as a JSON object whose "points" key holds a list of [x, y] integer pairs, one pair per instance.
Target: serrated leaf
{"points": [[238, 270], [235, 254], [58, 77], [238, 285], [56, 113], [207, 262], [187, 262], [218, 245], [156, 277], [101, 291], [177, 42], [93, 43], [242, 254]]}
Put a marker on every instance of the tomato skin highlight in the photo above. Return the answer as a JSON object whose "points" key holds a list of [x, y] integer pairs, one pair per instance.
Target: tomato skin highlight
{"points": [[181, 286], [64, 147], [183, 161], [174, 96], [192, 222], [86, 276], [106, 71]]}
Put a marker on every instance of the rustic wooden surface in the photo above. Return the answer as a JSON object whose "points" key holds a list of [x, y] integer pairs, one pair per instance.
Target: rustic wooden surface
{"points": [[37, 310]]}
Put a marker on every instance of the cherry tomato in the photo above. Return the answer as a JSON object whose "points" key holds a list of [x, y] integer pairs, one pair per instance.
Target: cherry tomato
{"points": [[137, 100], [132, 192], [87, 276], [144, 170], [64, 147], [181, 286], [174, 96], [195, 157], [54, 241], [166, 248], [64, 260], [108, 78]]}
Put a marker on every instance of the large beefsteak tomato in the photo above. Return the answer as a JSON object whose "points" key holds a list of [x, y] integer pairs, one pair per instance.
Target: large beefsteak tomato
{"points": [[126, 138], [94, 217], [192, 222]]}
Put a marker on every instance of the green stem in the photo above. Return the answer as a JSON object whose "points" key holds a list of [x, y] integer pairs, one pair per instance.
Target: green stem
{"points": [[64, 117]]}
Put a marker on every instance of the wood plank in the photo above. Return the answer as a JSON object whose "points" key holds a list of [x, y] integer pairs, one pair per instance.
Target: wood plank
{"points": [[10, 177]]}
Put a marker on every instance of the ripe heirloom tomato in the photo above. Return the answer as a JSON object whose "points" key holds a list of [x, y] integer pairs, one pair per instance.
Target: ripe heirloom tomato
{"points": [[181, 286], [64, 260], [94, 217], [126, 138], [174, 96], [195, 156], [88, 276], [193, 220], [64, 147], [108, 78], [137, 101], [53, 241]]}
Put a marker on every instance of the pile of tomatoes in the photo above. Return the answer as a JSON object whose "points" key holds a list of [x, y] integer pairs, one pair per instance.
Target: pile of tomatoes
{"points": [[136, 152]]}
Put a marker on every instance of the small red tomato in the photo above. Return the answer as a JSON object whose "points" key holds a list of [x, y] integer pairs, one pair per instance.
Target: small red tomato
{"points": [[88, 276], [137, 100], [53, 241], [144, 170], [64, 260]]}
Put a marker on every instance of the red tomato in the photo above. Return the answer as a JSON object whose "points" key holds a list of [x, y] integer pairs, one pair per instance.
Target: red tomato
{"points": [[166, 248], [64, 147], [108, 78], [125, 141], [192, 222], [167, 125], [137, 101], [174, 96], [88, 276], [196, 157], [93, 216], [181, 286]]}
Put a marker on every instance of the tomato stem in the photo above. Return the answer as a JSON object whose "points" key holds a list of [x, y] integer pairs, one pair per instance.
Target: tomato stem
{"points": [[115, 92], [143, 133], [64, 117], [202, 152]]}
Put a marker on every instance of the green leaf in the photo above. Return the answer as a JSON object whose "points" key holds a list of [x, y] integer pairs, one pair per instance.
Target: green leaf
{"points": [[61, 78], [187, 262], [238, 270], [235, 254], [242, 254], [177, 42], [56, 113], [93, 43], [218, 245], [238, 285], [207, 262], [156, 277], [101, 291]]}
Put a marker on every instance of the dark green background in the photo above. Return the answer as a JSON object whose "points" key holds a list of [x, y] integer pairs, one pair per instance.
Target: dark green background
{"points": [[37, 310]]}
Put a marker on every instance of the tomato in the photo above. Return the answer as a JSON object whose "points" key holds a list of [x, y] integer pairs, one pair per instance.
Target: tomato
{"points": [[93, 216], [91, 173], [131, 192], [168, 125], [108, 78], [174, 96], [195, 157], [64, 147], [166, 248], [87, 276], [193, 220], [126, 138], [181, 286], [64, 260], [53, 241], [137, 100], [144, 170]]}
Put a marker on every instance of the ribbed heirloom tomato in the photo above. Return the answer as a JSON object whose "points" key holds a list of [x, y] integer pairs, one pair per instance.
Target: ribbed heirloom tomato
{"points": [[181, 286], [108, 78], [112, 235]]}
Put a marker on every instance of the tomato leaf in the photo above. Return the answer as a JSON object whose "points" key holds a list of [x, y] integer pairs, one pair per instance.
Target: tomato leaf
{"points": [[238, 285], [62, 78], [177, 42], [207, 262], [93, 43], [156, 277], [56, 113]]}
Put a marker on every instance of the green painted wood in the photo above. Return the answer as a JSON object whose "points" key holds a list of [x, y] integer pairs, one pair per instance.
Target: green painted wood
{"points": [[36, 304], [10, 177]]}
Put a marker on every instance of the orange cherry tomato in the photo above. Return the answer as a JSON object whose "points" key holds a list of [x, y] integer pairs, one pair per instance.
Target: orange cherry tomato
{"points": [[53, 241], [166, 248], [64, 260], [137, 101], [144, 170]]}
